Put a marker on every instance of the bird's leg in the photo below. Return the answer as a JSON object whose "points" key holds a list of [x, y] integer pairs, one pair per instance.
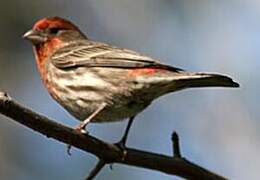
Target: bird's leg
{"points": [[81, 127], [122, 142]]}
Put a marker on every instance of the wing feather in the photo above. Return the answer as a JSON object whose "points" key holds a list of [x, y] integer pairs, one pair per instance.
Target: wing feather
{"points": [[95, 54]]}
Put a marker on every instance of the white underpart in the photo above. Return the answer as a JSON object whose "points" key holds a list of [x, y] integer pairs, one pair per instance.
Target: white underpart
{"points": [[83, 90], [83, 101]]}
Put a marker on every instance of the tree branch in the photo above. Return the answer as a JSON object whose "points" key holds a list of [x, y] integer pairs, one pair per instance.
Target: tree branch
{"points": [[106, 152], [96, 170]]}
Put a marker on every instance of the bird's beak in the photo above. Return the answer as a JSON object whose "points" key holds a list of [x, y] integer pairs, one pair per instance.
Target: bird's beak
{"points": [[35, 36]]}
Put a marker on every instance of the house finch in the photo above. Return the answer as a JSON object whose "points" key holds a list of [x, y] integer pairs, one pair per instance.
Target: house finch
{"points": [[97, 82]]}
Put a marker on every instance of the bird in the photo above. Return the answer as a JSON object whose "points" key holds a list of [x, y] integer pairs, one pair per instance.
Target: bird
{"points": [[97, 82]]}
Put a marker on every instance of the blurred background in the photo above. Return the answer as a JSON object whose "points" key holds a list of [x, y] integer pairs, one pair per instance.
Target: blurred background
{"points": [[219, 128]]}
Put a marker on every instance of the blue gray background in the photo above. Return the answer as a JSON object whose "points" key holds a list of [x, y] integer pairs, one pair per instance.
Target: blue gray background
{"points": [[219, 128]]}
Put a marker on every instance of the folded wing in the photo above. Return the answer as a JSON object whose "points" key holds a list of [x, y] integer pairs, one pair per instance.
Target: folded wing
{"points": [[95, 54]]}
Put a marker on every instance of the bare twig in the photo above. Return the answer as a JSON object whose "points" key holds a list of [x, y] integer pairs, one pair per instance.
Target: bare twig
{"points": [[109, 153], [176, 145], [96, 170]]}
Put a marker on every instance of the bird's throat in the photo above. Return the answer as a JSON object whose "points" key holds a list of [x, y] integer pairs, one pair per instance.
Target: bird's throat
{"points": [[44, 51]]}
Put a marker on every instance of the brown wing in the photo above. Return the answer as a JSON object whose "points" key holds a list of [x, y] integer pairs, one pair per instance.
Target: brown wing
{"points": [[94, 54]]}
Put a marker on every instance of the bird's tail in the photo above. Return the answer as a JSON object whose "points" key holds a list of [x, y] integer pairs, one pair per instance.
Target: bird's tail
{"points": [[192, 80]]}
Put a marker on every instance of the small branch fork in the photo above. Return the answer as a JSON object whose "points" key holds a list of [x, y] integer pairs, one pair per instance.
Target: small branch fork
{"points": [[96, 170], [106, 152]]}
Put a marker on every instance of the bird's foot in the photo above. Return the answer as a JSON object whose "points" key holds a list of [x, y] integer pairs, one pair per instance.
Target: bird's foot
{"points": [[121, 145], [81, 129]]}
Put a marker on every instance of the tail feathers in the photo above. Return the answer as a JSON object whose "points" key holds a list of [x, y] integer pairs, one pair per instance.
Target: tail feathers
{"points": [[191, 80]]}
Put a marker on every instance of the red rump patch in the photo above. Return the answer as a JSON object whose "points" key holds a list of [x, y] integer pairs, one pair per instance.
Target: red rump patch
{"points": [[143, 71]]}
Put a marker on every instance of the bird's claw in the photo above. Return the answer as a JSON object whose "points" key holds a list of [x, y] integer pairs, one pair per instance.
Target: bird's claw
{"points": [[81, 130], [122, 147]]}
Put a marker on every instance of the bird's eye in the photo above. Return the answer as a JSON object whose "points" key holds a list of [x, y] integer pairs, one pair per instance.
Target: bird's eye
{"points": [[54, 30]]}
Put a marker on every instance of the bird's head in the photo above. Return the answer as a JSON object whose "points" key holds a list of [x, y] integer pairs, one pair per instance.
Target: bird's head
{"points": [[51, 28]]}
